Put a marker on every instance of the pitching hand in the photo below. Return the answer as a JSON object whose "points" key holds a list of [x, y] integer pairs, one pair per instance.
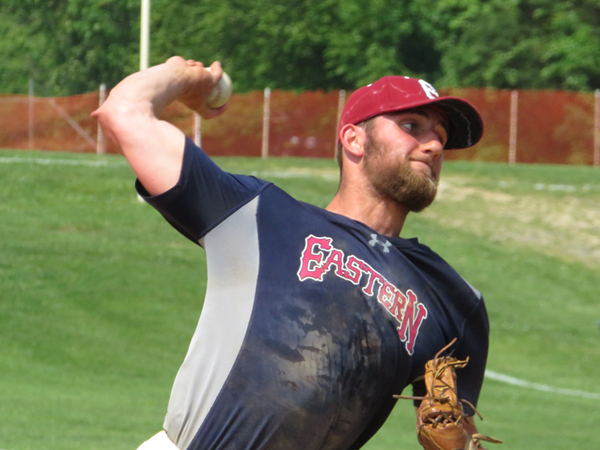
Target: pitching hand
{"points": [[198, 83]]}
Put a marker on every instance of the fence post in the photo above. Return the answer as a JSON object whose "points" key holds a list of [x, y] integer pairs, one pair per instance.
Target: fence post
{"points": [[101, 143], [514, 105], [31, 121], [266, 123], [197, 132], [597, 128], [145, 34], [341, 103]]}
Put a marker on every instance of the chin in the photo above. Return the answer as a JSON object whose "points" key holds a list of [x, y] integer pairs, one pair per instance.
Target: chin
{"points": [[426, 172], [430, 177]]}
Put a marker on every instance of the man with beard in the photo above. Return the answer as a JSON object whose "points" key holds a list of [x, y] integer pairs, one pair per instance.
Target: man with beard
{"points": [[313, 318]]}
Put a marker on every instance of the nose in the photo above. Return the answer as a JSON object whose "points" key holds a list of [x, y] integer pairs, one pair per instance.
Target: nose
{"points": [[432, 145]]}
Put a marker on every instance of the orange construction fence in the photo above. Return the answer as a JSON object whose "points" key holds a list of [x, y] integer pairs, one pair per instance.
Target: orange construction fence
{"points": [[555, 127]]}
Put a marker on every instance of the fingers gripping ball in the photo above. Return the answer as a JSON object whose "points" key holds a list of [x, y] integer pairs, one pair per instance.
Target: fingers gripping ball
{"points": [[220, 93]]}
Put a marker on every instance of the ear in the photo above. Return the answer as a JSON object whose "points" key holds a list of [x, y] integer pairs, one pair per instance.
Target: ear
{"points": [[353, 138]]}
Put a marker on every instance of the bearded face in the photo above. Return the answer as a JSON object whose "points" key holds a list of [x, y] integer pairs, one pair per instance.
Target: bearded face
{"points": [[394, 179]]}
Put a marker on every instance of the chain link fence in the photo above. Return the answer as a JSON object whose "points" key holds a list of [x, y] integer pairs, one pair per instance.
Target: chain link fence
{"points": [[545, 127]]}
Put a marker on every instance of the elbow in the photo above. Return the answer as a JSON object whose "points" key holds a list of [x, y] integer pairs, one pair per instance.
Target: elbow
{"points": [[111, 114], [105, 121], [116, 120], [102, 116]]}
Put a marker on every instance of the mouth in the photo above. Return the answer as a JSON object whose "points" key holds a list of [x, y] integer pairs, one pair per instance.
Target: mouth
{"points": [[423, 162], [429, 172]]}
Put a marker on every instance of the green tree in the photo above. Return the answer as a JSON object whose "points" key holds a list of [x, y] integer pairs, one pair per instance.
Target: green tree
{"points": [[527, 44], [71, 46], [67, 46], [374, 38], [571, 57], [261, 43], [306, 44]]}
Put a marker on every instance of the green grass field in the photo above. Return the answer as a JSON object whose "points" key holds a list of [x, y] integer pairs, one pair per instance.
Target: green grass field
{"points": [[100, 297]]}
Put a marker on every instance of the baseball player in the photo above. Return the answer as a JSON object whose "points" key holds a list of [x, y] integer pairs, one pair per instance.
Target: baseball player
{"points": [[313, 318]]}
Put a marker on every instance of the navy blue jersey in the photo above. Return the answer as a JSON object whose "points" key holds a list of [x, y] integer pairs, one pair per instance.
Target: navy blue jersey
{"points": [[311, 321]]}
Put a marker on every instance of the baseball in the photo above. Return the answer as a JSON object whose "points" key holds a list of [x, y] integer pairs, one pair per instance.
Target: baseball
{"points": [[220, 93]]}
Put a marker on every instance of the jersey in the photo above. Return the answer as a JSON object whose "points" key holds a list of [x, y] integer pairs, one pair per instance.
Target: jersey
{"points": [[311, 321]]}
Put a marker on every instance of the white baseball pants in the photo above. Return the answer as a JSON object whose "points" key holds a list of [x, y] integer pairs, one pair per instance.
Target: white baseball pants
{"points": [[159, 441]]}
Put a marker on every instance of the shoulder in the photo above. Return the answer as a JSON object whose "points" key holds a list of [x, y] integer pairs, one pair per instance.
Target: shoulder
{"points": [[424, 257]]}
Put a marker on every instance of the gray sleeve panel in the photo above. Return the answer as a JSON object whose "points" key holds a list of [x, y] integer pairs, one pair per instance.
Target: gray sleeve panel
{"points": [[232, 260], [475, 291]]}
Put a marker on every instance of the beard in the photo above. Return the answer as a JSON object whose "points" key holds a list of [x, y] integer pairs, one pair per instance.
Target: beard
{"points": [[397, 181]]}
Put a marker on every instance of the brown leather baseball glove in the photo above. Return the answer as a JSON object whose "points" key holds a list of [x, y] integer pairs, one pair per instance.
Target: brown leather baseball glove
{"points": [[441, 420]]}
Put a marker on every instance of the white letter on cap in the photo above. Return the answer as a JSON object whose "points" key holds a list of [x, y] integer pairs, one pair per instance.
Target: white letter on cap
{"points": [[428, 89]]}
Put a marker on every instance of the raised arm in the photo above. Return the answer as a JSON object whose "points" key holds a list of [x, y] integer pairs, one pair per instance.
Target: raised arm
{"points": [[130, 117]]}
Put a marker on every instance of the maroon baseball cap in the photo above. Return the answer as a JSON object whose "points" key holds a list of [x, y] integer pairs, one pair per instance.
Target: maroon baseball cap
{"points": [[397, 93]]}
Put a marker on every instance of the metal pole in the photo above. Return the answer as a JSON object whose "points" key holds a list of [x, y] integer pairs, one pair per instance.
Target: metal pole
{"points": [[597, 128], [514, 105], [101, 143], [266, 120], [197, 132], [145, 35], [31, 118], [341, 103]]}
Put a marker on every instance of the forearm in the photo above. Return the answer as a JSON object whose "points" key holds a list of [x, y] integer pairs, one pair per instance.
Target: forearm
{"points": [[151, 90]]}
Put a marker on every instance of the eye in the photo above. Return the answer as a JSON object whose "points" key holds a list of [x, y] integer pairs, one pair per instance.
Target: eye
{"points": [[409, 125]]}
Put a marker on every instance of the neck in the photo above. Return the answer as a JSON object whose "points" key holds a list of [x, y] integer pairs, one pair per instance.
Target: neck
{"points": [[384, 216]]}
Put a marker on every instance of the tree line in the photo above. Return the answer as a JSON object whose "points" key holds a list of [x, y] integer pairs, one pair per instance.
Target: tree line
{"points": [[71, 46]]}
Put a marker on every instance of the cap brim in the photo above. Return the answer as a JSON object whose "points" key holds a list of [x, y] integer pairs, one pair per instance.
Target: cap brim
{"points": [[466, 125]]}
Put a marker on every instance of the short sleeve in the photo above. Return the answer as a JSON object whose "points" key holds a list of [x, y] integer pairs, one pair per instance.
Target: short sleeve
{"points": [[204, 195]]}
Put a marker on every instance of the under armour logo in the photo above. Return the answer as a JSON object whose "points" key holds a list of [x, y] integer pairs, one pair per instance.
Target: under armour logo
{"points": [[374, 241]]}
